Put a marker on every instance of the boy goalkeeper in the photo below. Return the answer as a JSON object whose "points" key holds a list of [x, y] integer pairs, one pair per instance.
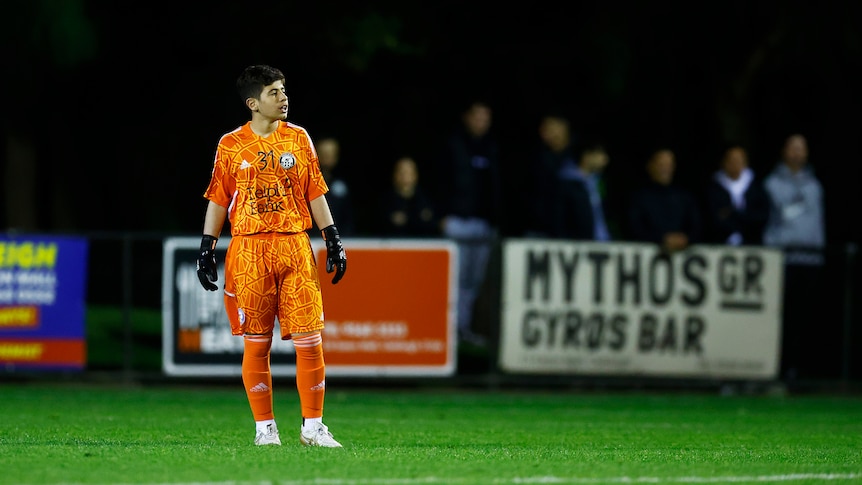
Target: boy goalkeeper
{"points": [[267, 180]]}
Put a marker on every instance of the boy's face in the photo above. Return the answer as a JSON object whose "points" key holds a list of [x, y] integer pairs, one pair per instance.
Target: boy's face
{"points": [[273, 102]]}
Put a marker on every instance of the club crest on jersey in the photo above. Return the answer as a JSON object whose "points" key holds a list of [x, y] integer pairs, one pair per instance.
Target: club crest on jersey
{"points": [[287, 160]]}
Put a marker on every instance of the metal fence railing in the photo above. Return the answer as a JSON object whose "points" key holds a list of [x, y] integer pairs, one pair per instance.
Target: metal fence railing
{"points": [[125, 273]]}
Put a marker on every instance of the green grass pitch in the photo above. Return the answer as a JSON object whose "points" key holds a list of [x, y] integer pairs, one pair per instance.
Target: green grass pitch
{"points": [[196, 434]]}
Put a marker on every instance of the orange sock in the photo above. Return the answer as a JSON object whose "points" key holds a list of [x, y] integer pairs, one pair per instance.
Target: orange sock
{"points": [[256, 375], [310, 374]]}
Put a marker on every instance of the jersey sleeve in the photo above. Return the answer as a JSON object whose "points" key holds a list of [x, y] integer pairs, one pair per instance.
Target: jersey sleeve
{"points": [[221, 185], [317, 185]]}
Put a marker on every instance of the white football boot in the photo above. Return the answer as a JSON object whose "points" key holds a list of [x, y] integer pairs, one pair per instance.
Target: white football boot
{"points": [[317, 434]]}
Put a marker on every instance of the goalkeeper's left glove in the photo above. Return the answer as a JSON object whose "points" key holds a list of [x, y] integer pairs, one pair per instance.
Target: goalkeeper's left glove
{"points": [[336, 259]]}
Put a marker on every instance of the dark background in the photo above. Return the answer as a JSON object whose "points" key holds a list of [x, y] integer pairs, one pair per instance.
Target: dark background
{"points": [[117, 106]]}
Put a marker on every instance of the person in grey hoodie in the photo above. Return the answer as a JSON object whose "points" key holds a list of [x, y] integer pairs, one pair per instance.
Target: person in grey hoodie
{"points": [[796, 225], [796, 216]]}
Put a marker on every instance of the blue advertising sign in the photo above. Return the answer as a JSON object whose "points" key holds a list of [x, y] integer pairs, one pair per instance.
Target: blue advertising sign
{"points": [[42, 302]]}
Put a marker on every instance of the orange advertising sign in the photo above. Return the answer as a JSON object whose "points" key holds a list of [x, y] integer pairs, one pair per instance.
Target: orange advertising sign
{"points": [[393, 312]]}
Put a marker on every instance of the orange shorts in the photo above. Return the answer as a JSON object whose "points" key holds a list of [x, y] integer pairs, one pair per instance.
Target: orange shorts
{"points": [[272, 275]]}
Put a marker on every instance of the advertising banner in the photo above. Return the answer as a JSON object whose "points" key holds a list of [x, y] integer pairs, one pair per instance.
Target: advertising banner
{"points": [[627, 309], [42, 302], [393, 313]]}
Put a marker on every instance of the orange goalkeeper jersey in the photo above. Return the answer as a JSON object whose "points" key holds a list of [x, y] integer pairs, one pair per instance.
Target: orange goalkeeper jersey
{"points": [[266, 183]]}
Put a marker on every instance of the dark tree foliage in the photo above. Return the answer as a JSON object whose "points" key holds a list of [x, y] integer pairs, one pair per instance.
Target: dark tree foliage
{"points": [[120, 104]]}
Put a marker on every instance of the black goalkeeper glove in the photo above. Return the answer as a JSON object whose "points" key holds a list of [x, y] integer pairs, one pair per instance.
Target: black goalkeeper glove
{"points": [[207, 269], [336, 259]]}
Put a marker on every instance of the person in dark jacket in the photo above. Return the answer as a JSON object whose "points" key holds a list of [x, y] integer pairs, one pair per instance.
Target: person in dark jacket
{"points": [[736, 203], [340, 196], [553, 169], [469, 196], [406, 210], [661, 211], [580, 212]]}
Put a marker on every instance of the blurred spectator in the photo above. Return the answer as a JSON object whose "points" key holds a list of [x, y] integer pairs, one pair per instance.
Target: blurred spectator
{"points": [[736, 204], [339, 196], [554, 160], [581, 207], [796, 225], [796, 214], [470, 198], [406, 210], [662, 212]]}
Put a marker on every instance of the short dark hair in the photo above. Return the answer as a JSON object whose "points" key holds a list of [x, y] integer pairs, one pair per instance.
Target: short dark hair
{"points": [[254, 78]]}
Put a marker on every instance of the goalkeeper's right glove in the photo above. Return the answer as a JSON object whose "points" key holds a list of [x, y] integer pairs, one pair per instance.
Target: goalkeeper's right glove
{"points": [[207, 269]]}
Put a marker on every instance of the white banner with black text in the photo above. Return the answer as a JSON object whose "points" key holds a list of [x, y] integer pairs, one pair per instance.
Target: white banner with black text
{"points": [[628, 309]]}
